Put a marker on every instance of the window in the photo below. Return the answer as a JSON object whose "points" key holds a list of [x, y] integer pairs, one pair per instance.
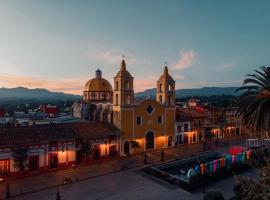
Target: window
{"points": [[127, 85], [116, 85], [4, 167], [159, 119], [139, 120], [128, 100], [103, 97], [170, 88], [78, 143], [179, 128], [53, 146], [185, 127], [160, 88], [160, 98], [116, 99], [149, 109]]}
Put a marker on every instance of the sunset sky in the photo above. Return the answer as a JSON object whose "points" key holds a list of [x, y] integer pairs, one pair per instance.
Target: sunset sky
{"points": [[58, 45]]}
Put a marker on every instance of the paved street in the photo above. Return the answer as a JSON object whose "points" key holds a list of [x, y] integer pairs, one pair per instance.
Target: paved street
{"points": [[107, 181]]}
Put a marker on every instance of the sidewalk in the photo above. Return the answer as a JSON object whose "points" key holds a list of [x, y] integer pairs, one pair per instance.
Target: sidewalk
{"points": [[55, 179]]}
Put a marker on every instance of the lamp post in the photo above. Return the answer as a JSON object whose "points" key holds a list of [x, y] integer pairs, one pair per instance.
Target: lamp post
{"points": [[7, 191], [58, 195], [145, 158], [162, 154]]}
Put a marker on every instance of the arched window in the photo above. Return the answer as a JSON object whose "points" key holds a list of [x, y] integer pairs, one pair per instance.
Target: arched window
{"points": [[170, 88], [116, 85], [127, 85], [128, 100], [103, 97], [160, 87], [160, 98], [116, 99]]}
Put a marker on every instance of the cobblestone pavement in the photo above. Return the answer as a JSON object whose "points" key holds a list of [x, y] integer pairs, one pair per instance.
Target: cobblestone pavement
{"points": [[106, 180]]}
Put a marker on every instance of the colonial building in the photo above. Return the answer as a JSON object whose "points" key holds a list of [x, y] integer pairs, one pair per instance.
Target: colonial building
{"points": [[56, 145], [148, 124], [189, 125]]}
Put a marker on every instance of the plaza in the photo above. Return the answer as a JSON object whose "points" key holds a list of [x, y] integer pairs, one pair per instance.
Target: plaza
{"points": [[109, 180]]}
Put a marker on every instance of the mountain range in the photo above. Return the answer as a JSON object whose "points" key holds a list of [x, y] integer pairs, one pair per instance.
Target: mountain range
{"points": [[43, 95], [205, 91], [37, 95]]}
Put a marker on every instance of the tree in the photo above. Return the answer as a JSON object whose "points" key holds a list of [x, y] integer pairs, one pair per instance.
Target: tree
{"points": [[86, 149], [254, 109], [254, 102], [19, 155], [247, 188]]}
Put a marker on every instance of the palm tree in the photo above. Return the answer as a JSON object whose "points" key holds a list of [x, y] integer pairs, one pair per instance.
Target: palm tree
{"points": [[254, 102]]}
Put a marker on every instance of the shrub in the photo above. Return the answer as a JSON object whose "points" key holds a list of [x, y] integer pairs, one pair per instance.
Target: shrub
{"points": [[213, 195]]}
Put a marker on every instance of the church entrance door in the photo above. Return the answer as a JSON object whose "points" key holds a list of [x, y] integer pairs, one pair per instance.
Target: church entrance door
{"points": [[150, 140], [126, 148]]}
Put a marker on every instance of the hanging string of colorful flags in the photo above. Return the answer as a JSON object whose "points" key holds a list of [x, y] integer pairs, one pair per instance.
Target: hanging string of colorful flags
{"points": [[226, 162]]}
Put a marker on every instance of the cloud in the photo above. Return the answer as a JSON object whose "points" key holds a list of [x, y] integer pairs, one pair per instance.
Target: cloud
{"points": [[68, 85], [112, 57], [143, 84], [186, 60]]}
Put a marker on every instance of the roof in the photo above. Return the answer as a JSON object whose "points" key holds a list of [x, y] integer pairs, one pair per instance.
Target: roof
{"points": [[98, 85], [2, 112], [55, 132], [51, 109], [185, 114], [165, 75], [123, 71]]}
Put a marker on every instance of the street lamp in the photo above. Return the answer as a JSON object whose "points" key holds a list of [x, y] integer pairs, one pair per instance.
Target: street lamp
{"points": [[7, 191]]}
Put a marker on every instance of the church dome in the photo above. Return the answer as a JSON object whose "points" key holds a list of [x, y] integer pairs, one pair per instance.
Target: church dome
{"points": [[98, 84]]}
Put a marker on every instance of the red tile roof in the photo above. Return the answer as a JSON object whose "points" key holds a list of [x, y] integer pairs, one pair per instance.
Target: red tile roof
{"points": [[50, 109], [55, 132], [186, 114]]}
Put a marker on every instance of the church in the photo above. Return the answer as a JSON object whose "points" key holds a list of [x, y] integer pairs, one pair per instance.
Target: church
{"points": [[146, 125]]}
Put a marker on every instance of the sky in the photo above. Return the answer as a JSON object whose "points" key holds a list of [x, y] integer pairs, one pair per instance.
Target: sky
{"points": [[58, 44]]}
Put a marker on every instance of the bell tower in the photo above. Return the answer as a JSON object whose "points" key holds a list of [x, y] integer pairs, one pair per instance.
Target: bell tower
{"points": [[166, 89], [123, 88], [123, 94]]}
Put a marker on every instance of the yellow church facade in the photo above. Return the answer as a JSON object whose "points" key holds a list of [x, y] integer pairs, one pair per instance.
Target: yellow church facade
{"points": [[149, 124]]}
